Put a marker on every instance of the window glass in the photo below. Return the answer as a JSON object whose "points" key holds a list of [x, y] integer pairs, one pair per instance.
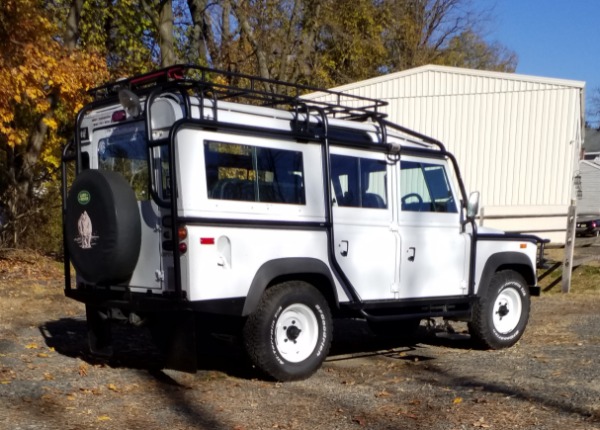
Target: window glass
{"points": [[254, 174], [126, 153], [424, 187], [359, 182]]}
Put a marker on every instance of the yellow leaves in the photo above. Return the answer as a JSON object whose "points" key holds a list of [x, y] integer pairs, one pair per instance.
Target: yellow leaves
{"points": [[32, 345], [457, 400], [35, 71], [103, 418], [51, 123]]}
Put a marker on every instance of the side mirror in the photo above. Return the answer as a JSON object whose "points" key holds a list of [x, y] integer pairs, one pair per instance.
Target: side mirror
{"points": [[473, 205]]}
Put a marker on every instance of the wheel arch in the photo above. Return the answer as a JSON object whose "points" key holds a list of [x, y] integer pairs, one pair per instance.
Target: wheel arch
{"points": [[514, 261], [310, 270]]}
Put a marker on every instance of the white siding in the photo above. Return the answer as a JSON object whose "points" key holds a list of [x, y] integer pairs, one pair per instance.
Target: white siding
{"points": [[517, 138], [590, 188]]}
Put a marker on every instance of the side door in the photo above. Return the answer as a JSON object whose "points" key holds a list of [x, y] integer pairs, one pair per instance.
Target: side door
{"points": [[434, 251], [366, 247]]}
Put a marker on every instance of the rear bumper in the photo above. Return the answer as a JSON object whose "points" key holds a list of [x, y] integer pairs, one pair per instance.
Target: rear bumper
{"points": [[103, 297]]}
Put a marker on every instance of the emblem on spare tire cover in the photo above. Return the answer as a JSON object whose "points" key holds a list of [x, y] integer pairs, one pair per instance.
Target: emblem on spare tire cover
{"points": [[84, 227], [83, 197]]}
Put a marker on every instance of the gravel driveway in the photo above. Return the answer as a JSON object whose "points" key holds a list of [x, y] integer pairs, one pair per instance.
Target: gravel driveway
{"points": [[549, 380]]}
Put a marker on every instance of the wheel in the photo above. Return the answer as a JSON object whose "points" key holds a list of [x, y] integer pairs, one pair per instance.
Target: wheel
{"points": [[400, 329], [288, 336], [502, 312], [103, 227]]}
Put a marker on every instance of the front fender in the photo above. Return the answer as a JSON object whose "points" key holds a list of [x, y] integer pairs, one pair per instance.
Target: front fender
{"points": [[516, 261]]}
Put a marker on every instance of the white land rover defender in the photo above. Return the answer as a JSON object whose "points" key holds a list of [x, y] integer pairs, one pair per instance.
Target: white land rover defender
{"points": [[204, 197]]}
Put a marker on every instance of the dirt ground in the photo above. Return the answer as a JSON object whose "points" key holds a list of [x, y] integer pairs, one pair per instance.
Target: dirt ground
{"points": [[549, 380]]}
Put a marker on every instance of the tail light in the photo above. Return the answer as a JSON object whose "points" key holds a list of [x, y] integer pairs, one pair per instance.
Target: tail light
{"points": [[182, 235]]}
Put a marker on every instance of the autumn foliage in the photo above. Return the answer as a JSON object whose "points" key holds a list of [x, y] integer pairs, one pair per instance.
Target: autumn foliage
{"points": [[42, 85], [51, 52]]}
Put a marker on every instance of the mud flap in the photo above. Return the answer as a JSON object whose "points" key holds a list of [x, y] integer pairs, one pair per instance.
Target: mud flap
{"points": [[178, 334], [99, 333]]}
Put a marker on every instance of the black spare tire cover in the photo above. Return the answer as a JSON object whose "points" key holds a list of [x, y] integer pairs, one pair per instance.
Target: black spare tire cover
{"points": [[103, 227]]}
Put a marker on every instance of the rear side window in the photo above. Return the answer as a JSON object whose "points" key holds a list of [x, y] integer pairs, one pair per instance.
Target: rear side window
{"points": [[253, 174], [424, 187]]}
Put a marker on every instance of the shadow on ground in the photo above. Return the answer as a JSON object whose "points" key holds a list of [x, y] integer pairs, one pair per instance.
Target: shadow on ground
{"points": [[134, 348]]}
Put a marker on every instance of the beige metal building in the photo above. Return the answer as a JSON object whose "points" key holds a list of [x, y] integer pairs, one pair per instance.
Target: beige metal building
{"points": [[517, 138]]}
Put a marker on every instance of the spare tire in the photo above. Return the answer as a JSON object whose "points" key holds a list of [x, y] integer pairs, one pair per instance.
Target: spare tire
{"points": [[103, 227]]}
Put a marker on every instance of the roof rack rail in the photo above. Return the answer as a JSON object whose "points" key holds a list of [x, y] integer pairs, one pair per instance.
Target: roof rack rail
{"points": [[233, 86]]}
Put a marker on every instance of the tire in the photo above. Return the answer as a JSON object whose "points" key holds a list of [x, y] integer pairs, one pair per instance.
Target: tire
{"points": [[289, 334], [502, 311], [401, 329], [103, 227]]}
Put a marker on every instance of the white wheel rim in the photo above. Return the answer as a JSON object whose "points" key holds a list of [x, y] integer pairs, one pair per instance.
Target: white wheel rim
{"points": [[507, 311], [296, 333]]}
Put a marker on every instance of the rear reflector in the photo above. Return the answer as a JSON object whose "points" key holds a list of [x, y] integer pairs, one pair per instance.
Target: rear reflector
{"points": [[207, 241], [182, 247]]}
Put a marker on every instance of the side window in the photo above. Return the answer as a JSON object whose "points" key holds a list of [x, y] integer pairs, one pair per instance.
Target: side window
{"points": [[359, 182], [253, 174], [424, 187]]}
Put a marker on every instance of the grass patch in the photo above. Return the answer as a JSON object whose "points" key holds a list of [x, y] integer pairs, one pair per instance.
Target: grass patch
{"points": [[585, 279]]}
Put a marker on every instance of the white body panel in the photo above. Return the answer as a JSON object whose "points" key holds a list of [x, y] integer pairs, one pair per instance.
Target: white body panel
{"points": [[385, 253]]}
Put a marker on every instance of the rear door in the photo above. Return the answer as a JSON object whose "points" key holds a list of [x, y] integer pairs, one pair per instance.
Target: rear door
{"points": [[124, 149], [366, 247]]}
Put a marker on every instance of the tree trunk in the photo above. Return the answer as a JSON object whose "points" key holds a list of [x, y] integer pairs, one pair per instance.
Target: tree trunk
{"points": [[165, 34], [200, 30], [72, 24]]}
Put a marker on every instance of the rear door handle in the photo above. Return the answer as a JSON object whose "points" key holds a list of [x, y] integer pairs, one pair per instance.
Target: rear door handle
{"points": [[344, 246]]}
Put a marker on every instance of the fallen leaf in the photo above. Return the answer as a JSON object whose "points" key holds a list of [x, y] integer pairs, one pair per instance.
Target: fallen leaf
{"points": [[31, 346], [383, 393], [83, 369], [103, 418], [43, 355], [48, 376], [112, 387], [457, 400], [359, 420]]}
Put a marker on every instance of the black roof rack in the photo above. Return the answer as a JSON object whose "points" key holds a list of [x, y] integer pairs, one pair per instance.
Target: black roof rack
{"points": [[239, 87]]}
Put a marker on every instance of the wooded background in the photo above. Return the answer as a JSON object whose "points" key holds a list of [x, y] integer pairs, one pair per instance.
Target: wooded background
{"points": [[53, 51]]}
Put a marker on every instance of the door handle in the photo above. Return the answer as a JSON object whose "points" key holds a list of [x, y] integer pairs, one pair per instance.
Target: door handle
{"points": [[412, 252], [344, 246]]}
